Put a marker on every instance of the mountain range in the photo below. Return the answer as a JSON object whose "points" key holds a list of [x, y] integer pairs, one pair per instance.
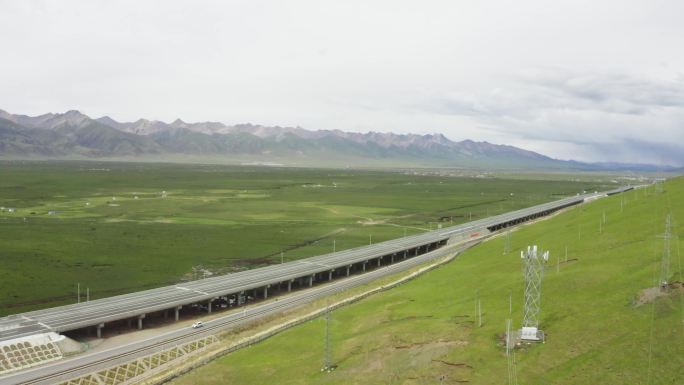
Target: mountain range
{"points": [[73, 135]]}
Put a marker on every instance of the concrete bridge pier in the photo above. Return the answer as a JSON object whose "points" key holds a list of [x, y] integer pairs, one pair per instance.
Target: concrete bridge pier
{"points": [[140, 321], [330, 275], [176, 312], [99, 330], [379, 261], [363, 265], [209, 306], [266, 291], [348, 267], [289, 286], [129, 323], [311, 278]]}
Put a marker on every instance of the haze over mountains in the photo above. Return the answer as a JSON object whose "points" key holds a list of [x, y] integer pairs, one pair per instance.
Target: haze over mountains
{"points": [[73, 135]]}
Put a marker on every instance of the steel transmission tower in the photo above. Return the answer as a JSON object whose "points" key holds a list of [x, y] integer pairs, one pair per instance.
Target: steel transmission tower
{"points": [[327, 359], [533, 271], [665, 261]]}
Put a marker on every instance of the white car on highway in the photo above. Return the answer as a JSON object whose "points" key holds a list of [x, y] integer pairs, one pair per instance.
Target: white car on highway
{"points": [[197, 324]]}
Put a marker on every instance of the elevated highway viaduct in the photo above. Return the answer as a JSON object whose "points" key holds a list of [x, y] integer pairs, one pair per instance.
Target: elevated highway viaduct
{"points": [[237, 289]]}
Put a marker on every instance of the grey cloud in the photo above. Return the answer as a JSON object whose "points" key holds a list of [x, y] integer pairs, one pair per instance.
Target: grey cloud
{"points": [[470, 70], [546, 90], [612, 116], [603, 89], [641, 151]]}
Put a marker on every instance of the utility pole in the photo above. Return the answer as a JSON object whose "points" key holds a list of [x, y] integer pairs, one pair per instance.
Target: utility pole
{"points": [[478, 309], [87, 294], [78, 292], [566, 253], [515, 370], [334, 246], [579, 232], [370, 239], [507, 242], [282, 257], [508, 343]]}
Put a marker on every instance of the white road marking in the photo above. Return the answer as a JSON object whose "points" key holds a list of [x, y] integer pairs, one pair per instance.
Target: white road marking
{"points": [[316, 264], [196, 291]]}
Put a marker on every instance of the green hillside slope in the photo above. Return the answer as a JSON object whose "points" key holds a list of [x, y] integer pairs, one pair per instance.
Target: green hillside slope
{"points": [[597, 333]]}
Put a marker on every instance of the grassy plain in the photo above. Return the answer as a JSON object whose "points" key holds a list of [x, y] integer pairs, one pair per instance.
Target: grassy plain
{"points": [[119, 227], [425, 332]]}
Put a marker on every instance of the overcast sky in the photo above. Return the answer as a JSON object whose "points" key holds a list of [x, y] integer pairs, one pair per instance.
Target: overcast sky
{"points": [[587, 80]]}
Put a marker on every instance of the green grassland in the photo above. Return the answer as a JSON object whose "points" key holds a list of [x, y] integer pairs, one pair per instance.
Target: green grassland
{"points": [[119, 227], [426, 330]]}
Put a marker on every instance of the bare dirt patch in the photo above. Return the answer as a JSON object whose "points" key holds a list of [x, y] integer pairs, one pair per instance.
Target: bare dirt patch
{"points": [[432, 344], [652, 293], [409, 318], [461, 365]]}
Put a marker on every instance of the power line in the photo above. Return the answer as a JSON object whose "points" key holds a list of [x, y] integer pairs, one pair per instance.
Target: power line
{"points": [[652, 323]]}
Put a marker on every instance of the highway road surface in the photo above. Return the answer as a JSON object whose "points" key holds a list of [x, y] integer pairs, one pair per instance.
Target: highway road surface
{"points": [[87, 363]]}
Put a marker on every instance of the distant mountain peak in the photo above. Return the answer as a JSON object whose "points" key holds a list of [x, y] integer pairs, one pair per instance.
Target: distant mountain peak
{"points": [[74, 134], [6, 115], [178, 123], [74, 114]]}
